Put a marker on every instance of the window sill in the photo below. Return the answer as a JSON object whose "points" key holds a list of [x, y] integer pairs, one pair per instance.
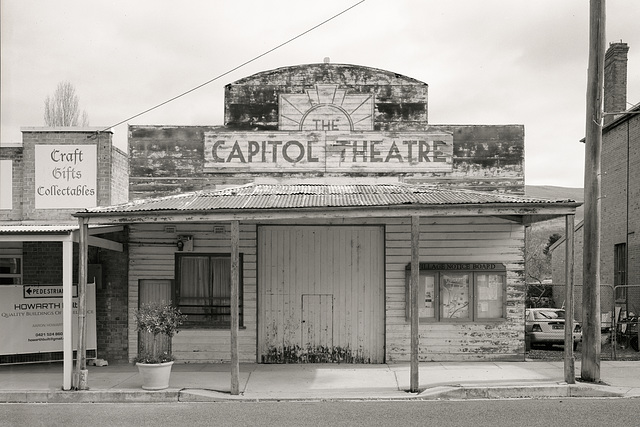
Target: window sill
{"points": [[429, 321], [209, 328]]}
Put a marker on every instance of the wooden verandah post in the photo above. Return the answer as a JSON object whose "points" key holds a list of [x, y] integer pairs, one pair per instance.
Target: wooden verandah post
{"points": [[80, 374], [415, 277], [67, 314], [235, 288], [569, 363]]}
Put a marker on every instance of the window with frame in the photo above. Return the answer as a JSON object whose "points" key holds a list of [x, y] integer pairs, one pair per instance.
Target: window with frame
{"points": [[10, 270], [203, 289], [459, 292], [620, 270]]}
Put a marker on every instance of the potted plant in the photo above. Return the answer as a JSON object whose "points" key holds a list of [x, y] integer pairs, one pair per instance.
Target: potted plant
{"points": [[158, 319]]}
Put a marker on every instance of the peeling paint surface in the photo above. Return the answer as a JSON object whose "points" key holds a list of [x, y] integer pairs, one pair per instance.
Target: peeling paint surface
{"points": [[485, 157]]}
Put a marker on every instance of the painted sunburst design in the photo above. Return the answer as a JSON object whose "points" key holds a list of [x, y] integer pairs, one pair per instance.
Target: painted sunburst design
{"points": [[326, 108]]}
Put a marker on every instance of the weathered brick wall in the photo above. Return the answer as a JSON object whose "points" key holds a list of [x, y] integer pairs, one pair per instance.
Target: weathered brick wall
{"points": [[15, 154], [633, 248], [119, 177], [166, 160], [63, 136], [112, 172], [620, 216], [252, 103], [105, 150], [169, 159], [486, 158], [111, 300], [621, 201], [614, 198], [42, 263], [615, 80], [627, 211]]}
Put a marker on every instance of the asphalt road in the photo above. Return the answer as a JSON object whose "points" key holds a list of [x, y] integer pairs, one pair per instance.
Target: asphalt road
{"points": [[530, 413]]}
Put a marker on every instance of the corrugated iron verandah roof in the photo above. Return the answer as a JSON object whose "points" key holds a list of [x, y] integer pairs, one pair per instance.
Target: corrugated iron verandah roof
{"points": [[19, 228], [300, 196]]}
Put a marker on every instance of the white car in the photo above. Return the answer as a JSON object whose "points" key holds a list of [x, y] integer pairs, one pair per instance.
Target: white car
{"points": [[546, 326]]}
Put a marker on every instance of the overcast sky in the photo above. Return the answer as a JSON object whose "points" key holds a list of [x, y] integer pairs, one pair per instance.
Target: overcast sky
{"points": [[486, 62]]}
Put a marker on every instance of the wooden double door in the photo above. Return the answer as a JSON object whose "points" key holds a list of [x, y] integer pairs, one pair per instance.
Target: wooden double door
{"points": [[321, 294]]}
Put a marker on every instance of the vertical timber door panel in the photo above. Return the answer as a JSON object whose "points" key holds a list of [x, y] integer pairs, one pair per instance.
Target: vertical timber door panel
{"points": [[317, 322], [303, 270]]}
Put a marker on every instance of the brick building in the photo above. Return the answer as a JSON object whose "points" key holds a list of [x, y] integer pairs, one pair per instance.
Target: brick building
{"points": [[44, 180], [620, 198]]}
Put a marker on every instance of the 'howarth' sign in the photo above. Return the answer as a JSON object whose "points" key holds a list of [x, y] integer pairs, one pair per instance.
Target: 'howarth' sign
{"points": [[368, 152]]}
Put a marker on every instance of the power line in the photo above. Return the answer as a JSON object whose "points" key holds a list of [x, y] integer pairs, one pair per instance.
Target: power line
{"points": [[234, 69]]}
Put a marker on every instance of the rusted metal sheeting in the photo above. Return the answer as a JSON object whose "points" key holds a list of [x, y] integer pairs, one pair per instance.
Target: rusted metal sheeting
{"points": [[36, 229], [274, 196]]}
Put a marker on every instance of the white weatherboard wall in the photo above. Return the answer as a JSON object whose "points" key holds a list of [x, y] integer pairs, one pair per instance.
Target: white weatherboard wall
{"points": [[457, 239], [443, 239], [152, 256]]}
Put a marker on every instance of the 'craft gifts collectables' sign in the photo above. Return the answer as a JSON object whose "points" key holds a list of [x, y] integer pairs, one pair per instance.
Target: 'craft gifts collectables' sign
{"points": [[65, 176]]}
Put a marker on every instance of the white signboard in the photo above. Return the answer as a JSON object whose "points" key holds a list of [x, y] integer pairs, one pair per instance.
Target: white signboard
{"points": [[66, 176], [6, 184], [31, 318], [370, 152]]}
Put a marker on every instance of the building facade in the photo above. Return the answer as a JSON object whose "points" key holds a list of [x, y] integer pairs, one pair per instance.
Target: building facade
{"points": [[45, 179], [328, 188], [324, 269]]}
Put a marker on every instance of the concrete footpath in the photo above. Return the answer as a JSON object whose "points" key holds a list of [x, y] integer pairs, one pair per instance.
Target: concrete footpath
{"points": [[211, 382]]}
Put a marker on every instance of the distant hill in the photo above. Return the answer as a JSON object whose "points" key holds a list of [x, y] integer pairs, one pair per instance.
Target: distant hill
{"points": [[551, 192], [557, 193]]}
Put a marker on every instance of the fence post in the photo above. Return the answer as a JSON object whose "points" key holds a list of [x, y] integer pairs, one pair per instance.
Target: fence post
{"points": [[614, 326]]}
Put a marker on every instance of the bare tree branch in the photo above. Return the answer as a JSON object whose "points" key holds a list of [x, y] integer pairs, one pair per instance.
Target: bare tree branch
{"points": [[61, 109]]}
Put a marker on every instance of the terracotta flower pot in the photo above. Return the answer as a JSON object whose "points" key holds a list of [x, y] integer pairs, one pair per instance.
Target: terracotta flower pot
{"points": [[155, 376]]}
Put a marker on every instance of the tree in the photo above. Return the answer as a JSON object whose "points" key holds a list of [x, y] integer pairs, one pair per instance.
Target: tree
{"points": [[538, 260], [552, 239], [61, 109]]}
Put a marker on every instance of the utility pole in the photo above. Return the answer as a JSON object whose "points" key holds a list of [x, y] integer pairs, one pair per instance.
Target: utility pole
{"points": [[590, 370]]}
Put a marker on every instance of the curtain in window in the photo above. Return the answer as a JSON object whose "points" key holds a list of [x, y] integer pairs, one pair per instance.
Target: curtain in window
{"points": [[221, 289], [195, 291]]}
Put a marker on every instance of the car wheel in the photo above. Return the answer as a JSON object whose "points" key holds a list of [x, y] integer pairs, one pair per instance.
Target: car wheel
{"points": [[634, 343]]}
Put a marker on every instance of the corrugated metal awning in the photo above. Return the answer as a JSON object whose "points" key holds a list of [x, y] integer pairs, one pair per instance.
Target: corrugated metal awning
{"points": [[21, 232], [259, 202], [37, 229], [21, 228], [301, 196]]}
